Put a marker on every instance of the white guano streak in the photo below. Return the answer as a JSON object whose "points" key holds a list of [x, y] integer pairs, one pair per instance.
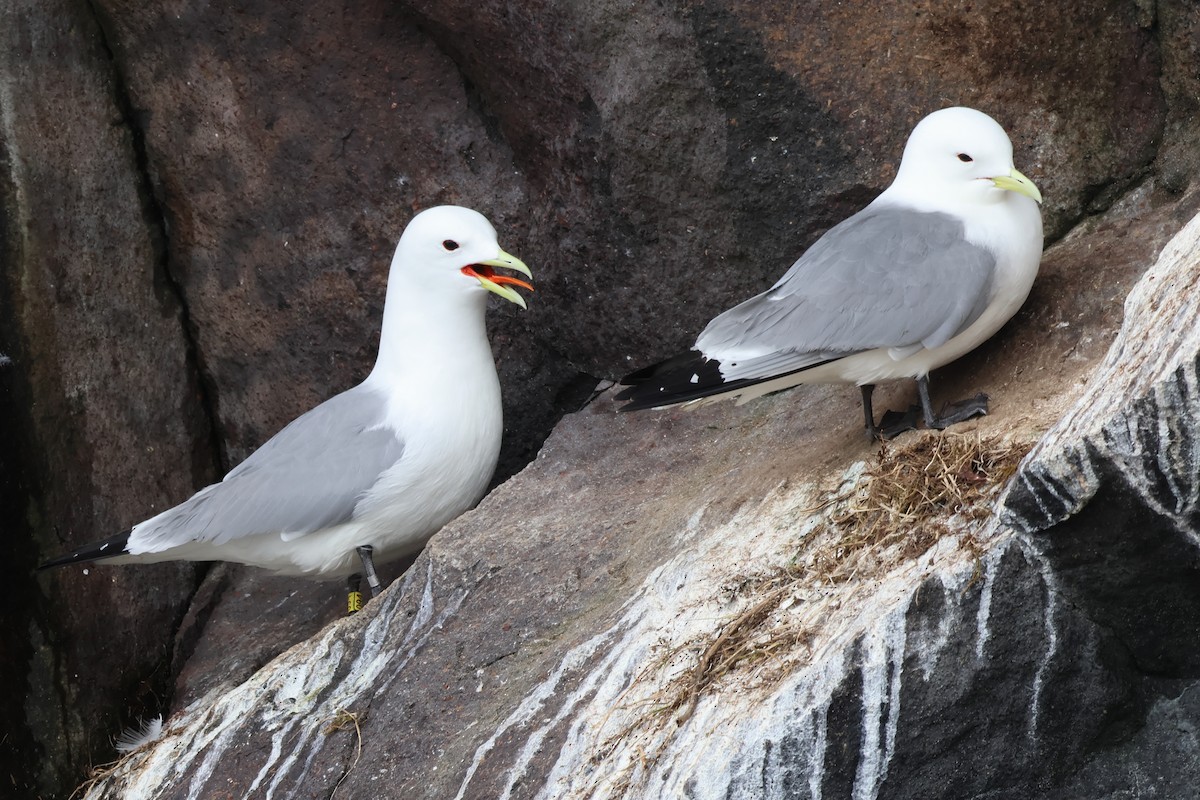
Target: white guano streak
{"points": [[619, 677], [295, 698]]}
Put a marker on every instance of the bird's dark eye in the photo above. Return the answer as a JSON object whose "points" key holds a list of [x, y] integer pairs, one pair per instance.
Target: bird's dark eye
{"points": [[966, 159], [450, 244]]}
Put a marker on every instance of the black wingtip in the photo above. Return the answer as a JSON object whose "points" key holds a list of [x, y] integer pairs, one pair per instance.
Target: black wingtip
{"points": [[113, 546], [687, 376]]}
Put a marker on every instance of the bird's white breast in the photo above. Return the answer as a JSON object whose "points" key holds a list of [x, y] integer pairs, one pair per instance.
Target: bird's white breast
{"points": [[447, 411], [451, 427]]}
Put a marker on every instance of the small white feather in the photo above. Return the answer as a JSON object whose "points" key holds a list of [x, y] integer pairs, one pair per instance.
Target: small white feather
{"points": [[139, 735]]}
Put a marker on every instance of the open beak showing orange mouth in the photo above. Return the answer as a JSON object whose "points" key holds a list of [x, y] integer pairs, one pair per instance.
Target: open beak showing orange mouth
{"points": [[498, 284]]}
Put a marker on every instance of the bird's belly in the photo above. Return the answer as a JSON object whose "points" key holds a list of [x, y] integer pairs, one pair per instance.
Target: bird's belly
{"points": [[408, 510], [873, 366], [435, 482]]}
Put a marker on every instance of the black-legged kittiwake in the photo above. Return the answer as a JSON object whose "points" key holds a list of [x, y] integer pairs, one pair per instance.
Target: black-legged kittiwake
{"points": [[929, 270], [373, 472]]}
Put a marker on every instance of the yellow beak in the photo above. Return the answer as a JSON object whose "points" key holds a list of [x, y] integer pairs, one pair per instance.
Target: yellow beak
{"points": [[487, 277], [1014, 181]]}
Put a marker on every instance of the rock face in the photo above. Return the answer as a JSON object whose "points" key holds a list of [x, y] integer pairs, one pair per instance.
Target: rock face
{"points": [[1112, 489], [199, 203], [102, 415], [538, 652]]}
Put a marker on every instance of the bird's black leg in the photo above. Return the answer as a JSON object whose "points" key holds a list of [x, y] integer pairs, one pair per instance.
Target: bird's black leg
{"points": [[893, 423], [868, 412], [959, 411], [365, 552], [353, 595]]}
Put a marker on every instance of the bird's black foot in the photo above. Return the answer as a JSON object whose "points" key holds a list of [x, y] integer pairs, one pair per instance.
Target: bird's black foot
{"points": [[952, 413], [366, 553], [961, 411], [354, 602], [895, 423]]}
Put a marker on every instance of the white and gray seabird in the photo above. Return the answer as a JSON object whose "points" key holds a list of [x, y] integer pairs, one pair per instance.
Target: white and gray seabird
{"points": [[928, 271], [373, 472]]}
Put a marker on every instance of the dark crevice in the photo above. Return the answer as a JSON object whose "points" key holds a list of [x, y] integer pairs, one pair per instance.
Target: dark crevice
{"points": [[477, 104], [577, 394], [24, 760], [155, 216], [1098, 199]]}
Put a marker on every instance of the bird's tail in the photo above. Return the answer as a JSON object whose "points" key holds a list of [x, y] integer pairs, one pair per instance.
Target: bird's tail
{"points": [[114, 546]]}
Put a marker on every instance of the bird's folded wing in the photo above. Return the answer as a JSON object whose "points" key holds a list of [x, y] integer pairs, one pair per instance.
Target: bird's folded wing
{"points": [[309, 476], [890, 277]]}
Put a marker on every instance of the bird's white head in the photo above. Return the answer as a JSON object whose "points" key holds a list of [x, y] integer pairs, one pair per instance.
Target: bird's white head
{"points": [[450, 248], [956, 156]]}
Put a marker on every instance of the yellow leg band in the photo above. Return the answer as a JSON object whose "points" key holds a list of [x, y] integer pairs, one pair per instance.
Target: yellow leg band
{"points": [[354, 602]]}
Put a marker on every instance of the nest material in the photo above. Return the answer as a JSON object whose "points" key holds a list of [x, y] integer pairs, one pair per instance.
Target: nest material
{"points": [[912, 497], [915, 494]]}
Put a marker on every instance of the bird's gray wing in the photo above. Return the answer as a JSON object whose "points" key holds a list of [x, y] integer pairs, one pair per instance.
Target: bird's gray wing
{"points": [[889, 277], [307, 477]]}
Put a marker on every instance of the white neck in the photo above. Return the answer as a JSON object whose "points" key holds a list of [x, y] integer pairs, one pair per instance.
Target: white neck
{"points": [[431, 336]]}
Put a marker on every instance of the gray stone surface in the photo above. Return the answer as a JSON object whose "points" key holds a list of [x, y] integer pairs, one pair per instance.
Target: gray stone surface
{"points": [[533, 649], [1158, 763]]}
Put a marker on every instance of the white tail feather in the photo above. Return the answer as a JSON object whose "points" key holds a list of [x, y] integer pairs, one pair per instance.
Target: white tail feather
{"points": [[139, 735]]}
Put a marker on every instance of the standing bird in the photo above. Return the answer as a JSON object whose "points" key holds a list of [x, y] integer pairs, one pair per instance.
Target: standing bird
{"points": [[378, 469], [928, 271]]}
